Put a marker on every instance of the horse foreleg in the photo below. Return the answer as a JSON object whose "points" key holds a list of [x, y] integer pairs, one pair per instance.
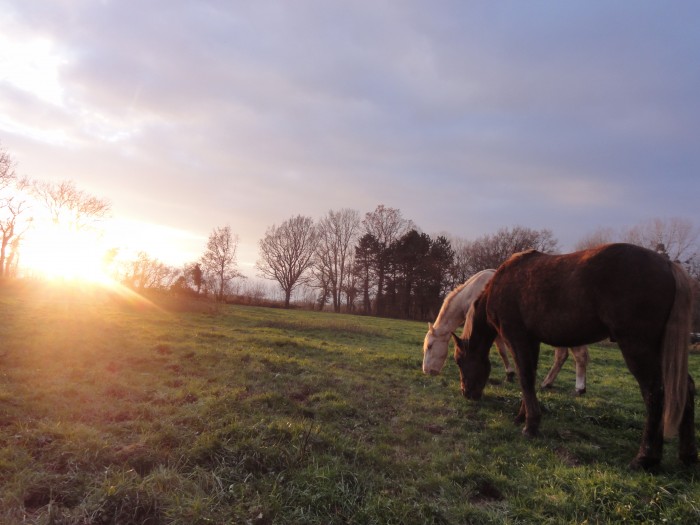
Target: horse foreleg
{"points": [[526, 357], [560, 355], [503, 352], [580, 354], [520, 416], [687, 448]]}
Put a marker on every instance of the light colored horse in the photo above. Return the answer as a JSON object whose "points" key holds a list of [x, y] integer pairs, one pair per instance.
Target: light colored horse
{"points": [[580, 354], [454, 312]]}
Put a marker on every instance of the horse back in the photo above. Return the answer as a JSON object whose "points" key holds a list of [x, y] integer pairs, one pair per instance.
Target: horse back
{"points": [[579, 298]]}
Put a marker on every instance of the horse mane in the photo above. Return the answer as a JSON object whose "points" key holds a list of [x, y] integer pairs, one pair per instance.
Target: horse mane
{"points": [[469, 323], [522, 254], [451, 296]]}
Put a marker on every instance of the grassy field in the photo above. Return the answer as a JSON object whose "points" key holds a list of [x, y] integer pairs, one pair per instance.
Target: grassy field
{"points": [[115, 411]]}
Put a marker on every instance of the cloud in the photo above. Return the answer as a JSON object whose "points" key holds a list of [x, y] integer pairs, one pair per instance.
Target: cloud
{"points": [[462, 115]]}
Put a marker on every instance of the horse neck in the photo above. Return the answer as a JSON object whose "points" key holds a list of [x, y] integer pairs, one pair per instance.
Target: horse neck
{"points": [[452, 314], [477, 329]]}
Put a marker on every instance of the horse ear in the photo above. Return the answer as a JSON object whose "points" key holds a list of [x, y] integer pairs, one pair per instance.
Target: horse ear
{"points": [[461, 343], [430, 328]]}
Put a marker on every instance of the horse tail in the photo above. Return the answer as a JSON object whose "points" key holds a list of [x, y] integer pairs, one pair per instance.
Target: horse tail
{"points": [[675, 352]]}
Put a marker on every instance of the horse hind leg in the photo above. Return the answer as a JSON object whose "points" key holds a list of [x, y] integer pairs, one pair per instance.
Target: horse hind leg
{"points": [[560, 355], [503, 352], [580, 354], [645, 366], [649, 455]]}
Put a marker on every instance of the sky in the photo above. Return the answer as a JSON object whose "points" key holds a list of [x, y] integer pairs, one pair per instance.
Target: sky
{"points": [[466, 116]]}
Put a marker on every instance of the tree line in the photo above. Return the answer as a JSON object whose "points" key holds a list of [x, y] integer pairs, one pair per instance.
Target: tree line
{"points": [[382, 264], [379, 263]]}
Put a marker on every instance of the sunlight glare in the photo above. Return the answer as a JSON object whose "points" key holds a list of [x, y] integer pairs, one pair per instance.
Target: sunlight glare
{"points": [[57, 253], [32, 64], [172, 246]]}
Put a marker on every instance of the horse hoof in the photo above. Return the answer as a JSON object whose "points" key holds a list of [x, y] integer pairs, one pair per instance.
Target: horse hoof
{"points": [[580, 392], [689, 459], [510, 377], [530, 433], [547, 386], [644, 463]]}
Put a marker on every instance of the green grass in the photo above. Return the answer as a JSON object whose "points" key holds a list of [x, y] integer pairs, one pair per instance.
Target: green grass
{"points": [[119, 412]]}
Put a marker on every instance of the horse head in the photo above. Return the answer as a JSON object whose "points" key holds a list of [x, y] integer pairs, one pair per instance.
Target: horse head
{"points": [[474, 368], [434, 351]]}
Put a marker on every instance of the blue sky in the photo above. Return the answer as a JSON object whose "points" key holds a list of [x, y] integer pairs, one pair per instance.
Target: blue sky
{"points": [[467, 116]]}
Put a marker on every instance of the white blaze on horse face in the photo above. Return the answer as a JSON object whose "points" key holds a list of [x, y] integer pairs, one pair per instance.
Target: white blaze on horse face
{"points": [[434, 353]]}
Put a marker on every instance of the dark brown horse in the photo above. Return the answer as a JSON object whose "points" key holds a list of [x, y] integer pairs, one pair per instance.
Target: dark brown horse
{"points": [[635, 296]]}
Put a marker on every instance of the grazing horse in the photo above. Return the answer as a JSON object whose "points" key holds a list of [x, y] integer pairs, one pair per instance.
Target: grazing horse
{"points": [[633, 295], [454, 312]]}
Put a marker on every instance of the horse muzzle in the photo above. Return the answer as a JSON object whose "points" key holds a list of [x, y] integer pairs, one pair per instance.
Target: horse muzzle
{"points": [[471, 395]]}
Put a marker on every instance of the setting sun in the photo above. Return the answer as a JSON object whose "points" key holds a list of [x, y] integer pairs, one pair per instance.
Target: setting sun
{"points": [[57, 252]]}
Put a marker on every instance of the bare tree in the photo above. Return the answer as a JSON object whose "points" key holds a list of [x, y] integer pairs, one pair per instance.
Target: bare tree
{"points": [[596, 238], [460, 266], [146, 272], [219, 260], [14, 205], [7, 169], [255, 290], [321, 282], [69, 206], [11, 230], [351, 284], [676, 237], [385, 225], [490, 251], [337, 233], [286, 253]]}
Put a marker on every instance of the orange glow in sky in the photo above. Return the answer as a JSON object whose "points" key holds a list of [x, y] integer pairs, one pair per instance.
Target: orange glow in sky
{"points": [[56, 252]]}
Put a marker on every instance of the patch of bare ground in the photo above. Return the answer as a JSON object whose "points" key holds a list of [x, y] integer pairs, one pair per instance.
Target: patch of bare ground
{"points": [[138, 456], [435, 429], [302, 393], [567, 457], [485, 492]]}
